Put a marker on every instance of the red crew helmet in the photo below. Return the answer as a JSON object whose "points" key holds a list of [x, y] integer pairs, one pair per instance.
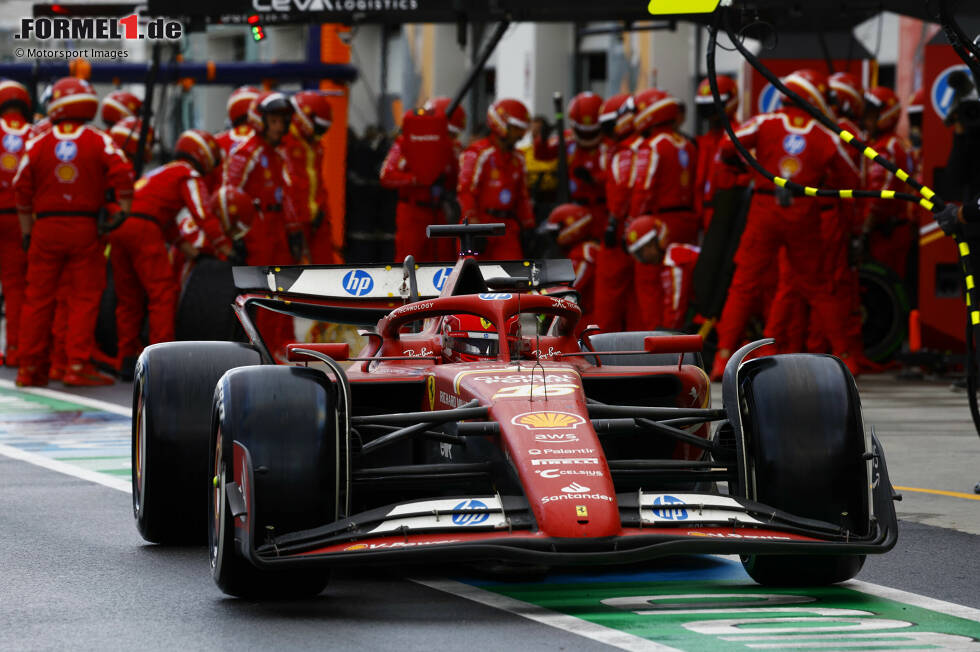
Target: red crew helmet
{"points": [[72, 99], [811, 86], [264, 104], [311, 113], [654, 107], [618, 111], [644, 230], [235, 210], [457, 121], [571, 222], [507, 113], [238, 103], [727, 90], [200, 148], [126, 135], [118, 105], [583, 116], [885, 102], [13, 96], [847, 94]]}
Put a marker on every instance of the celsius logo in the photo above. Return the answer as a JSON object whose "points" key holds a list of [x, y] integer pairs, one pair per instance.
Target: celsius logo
{"points": [[286, 6], [479, 515], [440, 277], [575, 488], [358, 282], [662, 509]]}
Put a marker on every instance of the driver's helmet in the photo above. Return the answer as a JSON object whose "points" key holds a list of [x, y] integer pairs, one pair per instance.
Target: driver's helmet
{"points": [[470, 338]]}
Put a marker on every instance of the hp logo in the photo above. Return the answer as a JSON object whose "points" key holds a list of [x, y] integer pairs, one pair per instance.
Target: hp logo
{"points": [[66, 150], [661, 509], [441, 276], [473, 518], [358, 282]]}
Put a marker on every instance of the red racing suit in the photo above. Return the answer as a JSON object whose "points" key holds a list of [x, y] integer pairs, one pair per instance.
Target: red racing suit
{"points": [[492, 188], [14, 134], [587, 182], [892, 231], [419, 205], [259, 171], [141, 265], [663, 181], [230, 138], [583, 257], [63, 179], [793, 146], [308, 194], [675, 276], [614, 266]]}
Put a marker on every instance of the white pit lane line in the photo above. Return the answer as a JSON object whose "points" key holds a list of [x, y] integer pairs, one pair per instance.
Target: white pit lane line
{"points": [[599, 633]]}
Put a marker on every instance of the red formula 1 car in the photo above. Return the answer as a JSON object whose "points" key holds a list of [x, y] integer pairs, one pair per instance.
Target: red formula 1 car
{"points": [[482, 423]]}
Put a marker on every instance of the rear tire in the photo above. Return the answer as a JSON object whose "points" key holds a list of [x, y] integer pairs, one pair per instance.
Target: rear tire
{"points": [[285, 418], [170, 433], [805, 445], [884, 311]]}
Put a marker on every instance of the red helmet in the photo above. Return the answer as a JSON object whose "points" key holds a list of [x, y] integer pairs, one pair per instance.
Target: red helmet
{"points": [[200, 148], [72, 99], [469, 338], [727, 90], [571, 222], [14, 96], [126, 135], [264, 104], [618, 111], [811, 86], [238, 103], [312, 113], [847, 94], [234, 209], [583, 115], [885, 102], [643, 230], [916, 102], [118, 105], [653, 108], [457, 121], [506, 113]]}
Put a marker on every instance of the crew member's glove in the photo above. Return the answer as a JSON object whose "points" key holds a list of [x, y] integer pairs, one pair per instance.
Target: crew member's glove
{"points": [[583, 174], [112, 222], [318, 220], [25, 242], [609, 237], [949, 219]]}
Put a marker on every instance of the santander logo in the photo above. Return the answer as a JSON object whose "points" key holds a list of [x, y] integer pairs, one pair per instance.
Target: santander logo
{"points": [[575, 488]]}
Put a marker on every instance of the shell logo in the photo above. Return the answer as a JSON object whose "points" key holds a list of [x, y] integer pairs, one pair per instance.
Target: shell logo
{"points": [[9, 161], [356, 546], [547, 420], [66, 172]]}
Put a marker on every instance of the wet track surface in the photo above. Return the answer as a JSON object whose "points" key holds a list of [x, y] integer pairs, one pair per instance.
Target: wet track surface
{"points": [[77, 574]]}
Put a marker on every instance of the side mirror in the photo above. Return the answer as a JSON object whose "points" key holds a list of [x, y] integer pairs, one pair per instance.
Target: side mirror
{"points": [[673, 344], [339, 351]]}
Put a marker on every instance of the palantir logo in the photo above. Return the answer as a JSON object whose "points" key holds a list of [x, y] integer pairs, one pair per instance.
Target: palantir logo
{"points": [[358, 282], [661, 509], [440, 277], [478, 514]]}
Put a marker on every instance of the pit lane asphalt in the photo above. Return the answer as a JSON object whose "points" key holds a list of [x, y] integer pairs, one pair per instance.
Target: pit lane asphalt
{"points": [[76, 574]]}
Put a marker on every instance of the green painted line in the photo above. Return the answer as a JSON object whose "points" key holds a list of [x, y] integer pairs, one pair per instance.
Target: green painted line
{"points": [[703, 616], [15, 401]]}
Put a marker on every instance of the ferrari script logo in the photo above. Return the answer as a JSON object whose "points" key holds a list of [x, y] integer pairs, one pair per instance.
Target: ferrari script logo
{"points": [[547, 420]]}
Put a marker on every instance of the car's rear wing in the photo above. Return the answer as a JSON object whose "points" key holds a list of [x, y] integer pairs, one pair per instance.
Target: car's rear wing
{"points": [[386, 282]]}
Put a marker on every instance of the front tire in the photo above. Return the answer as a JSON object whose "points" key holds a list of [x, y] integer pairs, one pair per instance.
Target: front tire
{"points": [[805, 445], [172, 393]]}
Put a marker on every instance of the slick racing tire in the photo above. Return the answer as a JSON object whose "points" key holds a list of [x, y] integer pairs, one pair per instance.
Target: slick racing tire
{"points": [[204, 311], [633, 341], [805, 450], [276, 427], [884, 311], [171, 428]]}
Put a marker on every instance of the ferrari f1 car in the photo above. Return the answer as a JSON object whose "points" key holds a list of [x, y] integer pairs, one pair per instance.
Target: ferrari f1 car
{"points": [[482, 422]]}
